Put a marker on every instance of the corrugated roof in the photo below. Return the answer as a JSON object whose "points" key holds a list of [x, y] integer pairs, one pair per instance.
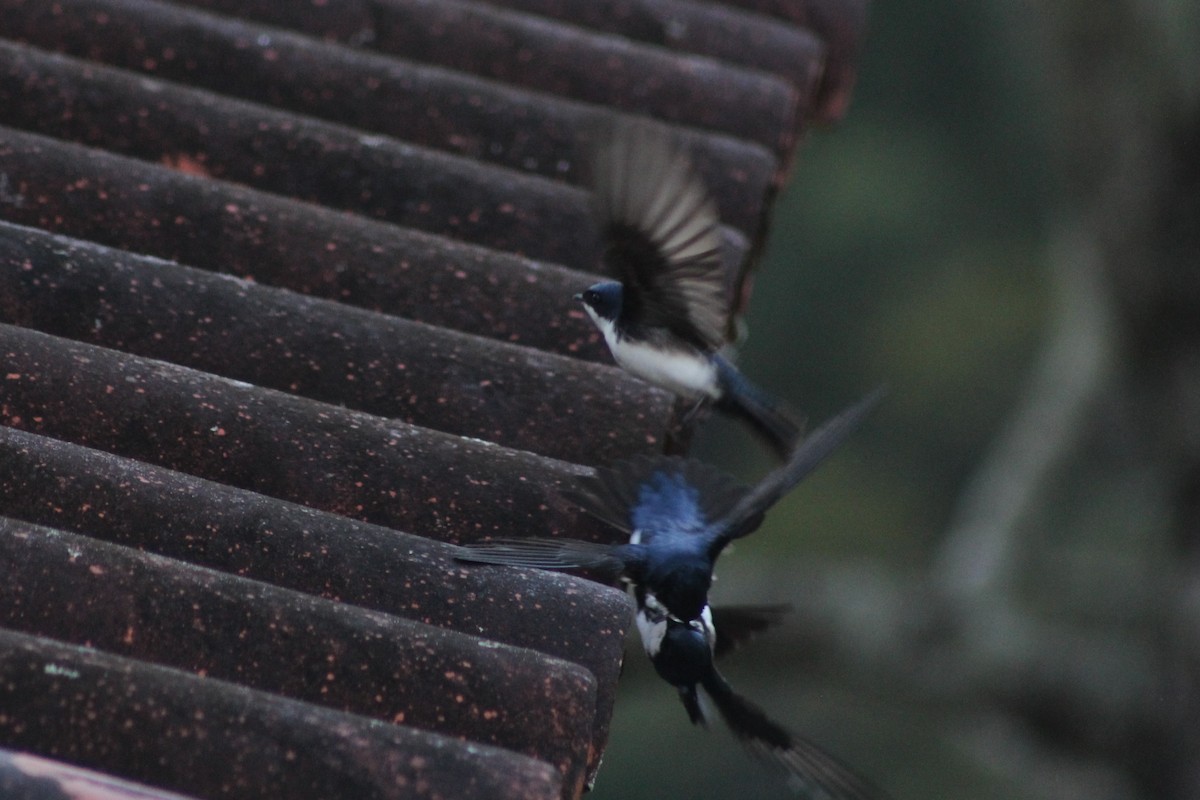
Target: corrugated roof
{"points": [[285, 307]]}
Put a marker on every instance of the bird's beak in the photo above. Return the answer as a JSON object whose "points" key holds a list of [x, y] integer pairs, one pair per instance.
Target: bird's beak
{"points": [[579, 296]]}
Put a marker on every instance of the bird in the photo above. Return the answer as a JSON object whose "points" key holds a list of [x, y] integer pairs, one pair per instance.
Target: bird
{"points": [[683, 655], [679, 515], [666, 317]]}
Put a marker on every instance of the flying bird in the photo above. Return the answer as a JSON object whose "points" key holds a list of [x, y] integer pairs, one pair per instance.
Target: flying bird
{"points": [[683, 653], [679, 515], [666, 317]]}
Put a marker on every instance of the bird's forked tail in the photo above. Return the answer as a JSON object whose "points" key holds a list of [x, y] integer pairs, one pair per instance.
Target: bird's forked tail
{"points": [[766, 414]]}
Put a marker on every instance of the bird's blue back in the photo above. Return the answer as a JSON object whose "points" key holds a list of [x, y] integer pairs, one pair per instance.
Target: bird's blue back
{"points": [[668, 508]]}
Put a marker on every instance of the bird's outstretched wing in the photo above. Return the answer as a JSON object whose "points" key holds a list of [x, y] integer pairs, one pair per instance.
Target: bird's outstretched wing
{"points": [[747, 514], [811, 772], [658, 495], [736, 625], [662, 234], [554, 554]]}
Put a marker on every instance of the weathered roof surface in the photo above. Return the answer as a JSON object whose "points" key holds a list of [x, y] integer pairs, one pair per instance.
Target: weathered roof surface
{"points": [[383, 364], [32, 777], [284, 309]]}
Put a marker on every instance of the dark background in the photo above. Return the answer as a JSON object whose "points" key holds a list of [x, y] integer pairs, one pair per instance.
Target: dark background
{"points": [[994, 583]]}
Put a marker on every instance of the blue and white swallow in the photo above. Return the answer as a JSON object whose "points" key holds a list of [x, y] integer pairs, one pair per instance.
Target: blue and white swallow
{"points": [[679, 515], [685, 658], [667, 316]]}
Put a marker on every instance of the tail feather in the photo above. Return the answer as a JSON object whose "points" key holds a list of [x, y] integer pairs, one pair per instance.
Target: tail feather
{"points": [[811, 772], [745, 516], [694, 705], [766, 414]]}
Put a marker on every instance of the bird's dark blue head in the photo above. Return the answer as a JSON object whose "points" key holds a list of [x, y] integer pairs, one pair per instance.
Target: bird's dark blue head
{"points": [[603, 299], [681, 583]]}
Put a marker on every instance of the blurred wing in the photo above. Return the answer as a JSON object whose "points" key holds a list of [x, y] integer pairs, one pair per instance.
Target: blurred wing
{"points": [[736, 625], [546, 554], [746, 516], [657, 495], [662, 233], [811, 772]]}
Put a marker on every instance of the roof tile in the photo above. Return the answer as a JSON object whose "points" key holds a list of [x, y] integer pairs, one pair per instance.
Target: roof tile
{"points": [[213, 738], [174, 514], [282, 313], [383, 365], [75, 589]]}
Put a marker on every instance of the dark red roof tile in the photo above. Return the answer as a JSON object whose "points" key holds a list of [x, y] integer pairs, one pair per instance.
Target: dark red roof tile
{"points": [[484, 120], [30, 777], [563, 60], [324, 456], [174, 514], [266, 480], [840, 24], [716, 30], [384, 365], [213, 738], [380, 177], [78, 590]]}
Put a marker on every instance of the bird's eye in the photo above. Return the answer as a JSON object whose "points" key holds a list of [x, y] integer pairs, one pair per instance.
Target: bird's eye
{"points": [[590, 297]]}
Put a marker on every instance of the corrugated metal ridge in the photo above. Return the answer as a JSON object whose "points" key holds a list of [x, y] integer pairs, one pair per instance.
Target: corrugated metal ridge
{"points": [[482, 119], [239, 741], [221, 227], [180, 516], [380, 176], [370, 468], [715, 30], [75, 589], [841, 25], [225, 503], [571, 62], [32, 778], [764, 34], [384, 365]]}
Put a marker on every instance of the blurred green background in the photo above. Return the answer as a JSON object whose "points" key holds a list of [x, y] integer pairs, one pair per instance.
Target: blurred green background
{"points": [[913, 247]]}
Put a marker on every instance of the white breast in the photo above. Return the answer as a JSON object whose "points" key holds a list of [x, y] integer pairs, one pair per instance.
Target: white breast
{"points": [[688, 374], [706, 625], [652, 625]]}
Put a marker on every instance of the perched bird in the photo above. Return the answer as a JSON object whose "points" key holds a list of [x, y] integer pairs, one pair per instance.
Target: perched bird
{"points": [[666, 317], [680, 514]]}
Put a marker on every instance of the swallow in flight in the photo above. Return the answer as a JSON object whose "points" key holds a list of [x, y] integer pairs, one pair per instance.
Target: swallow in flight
{"points": [[683, 655], [665, 318], [679, 515]]}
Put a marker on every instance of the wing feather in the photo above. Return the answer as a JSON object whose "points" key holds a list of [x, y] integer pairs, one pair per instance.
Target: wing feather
{"points": [[658, 495], [663, 234], [746, 515], [553, 554], [736, 625], [810, 771]]}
